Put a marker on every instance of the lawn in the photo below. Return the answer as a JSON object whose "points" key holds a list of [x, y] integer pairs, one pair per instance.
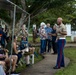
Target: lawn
{"points": [[68, 39], [30, 39], [71, 68]]}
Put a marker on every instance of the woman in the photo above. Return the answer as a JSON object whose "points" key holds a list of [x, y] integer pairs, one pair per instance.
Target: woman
{"points": [[13, 57], [15, 51], [43, 36]]}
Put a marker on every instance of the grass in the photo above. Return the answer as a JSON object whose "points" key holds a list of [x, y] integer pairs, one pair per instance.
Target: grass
{"points": [[68, 39], [71, 68], [31, 39], [69, 52]]}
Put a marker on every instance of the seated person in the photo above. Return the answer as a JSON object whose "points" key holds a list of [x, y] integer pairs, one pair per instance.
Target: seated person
{"points": [[2, 57], [4, 60], [24, 45], [2, 37], [13, 57], [15, 50]]}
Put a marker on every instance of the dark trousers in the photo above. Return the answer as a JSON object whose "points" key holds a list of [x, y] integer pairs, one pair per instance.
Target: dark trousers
{"points": [[19, 57], [54, 46], [43, 46], [48, 45], [60, 58]]}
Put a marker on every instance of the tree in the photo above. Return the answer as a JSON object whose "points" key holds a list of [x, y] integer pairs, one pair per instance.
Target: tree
{"points": [[39, 7]]}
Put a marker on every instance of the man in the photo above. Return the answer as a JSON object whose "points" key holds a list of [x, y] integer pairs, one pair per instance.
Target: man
{"points": [[61, 41], [34, 34], [54, 44], [28, 48], [48, 30]]}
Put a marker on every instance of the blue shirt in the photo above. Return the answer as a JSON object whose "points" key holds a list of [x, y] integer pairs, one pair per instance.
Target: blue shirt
{"points": [[2, 37], [48, 30], [24, 44], [54, 37]]}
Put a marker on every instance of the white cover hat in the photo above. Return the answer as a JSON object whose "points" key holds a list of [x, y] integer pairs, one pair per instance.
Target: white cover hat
{"points": [[42, 23]]}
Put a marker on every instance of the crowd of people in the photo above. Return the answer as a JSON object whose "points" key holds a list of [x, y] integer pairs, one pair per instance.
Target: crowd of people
{"points": [[55, 38], [47, 40], [11, 53], [50, 37]]}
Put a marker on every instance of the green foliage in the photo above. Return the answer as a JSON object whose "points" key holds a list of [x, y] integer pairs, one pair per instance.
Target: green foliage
{"points": [[68, 39], [45, 10], [65, 10], [4, 15]]}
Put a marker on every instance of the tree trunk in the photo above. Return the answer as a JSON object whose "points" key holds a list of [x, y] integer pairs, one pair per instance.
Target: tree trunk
{"points": [[23, 4], [22, 19]]}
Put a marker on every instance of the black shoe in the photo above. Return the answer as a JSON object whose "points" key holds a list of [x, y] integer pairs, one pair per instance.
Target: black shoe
{"points": [[28, 65], [62, 66], [56, 67], [7, 73], [14, 72], [54, 53]]}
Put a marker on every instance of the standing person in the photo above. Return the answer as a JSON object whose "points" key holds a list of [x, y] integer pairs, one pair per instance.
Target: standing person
{"points": [[54, 44], [48, 30], [34, 34], [61, 41], [43, 36]]}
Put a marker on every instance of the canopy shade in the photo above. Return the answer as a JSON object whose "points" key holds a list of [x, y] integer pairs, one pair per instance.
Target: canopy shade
{"points": [[4, 4]]}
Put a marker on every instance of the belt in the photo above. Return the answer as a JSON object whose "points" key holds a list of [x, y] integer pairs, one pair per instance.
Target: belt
{"points": [[62, 38]]}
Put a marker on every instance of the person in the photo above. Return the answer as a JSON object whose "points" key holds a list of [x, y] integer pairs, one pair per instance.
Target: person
{"points": [[54, 44], [2, 72], [16, 54], [24, 31], [24, 45], [2, 37], [4, 60], [61, 41], [15, 50], [43, 36], [3, 56], [13, 57], [48, 30], [34, 34]]}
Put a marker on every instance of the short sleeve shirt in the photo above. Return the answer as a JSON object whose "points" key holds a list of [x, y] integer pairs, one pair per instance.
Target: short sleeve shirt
{"points": [[42, 31], [61, 28]]}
